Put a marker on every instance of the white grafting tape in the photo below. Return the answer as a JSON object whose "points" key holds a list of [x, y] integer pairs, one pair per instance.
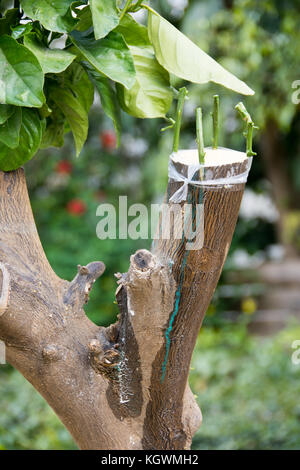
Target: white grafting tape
{"points": [[213, 158]]}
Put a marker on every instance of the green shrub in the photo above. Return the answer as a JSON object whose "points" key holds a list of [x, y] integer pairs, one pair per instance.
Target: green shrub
{"points": [[26, 420], [247, 389]]}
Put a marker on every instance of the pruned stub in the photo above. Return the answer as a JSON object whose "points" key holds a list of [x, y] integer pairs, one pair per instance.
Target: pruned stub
{"points": [[143, 260]]}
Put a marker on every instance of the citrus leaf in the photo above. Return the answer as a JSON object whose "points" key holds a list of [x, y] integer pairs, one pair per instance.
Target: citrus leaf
{"points": [[9, 20], [21, 30], [51, 60], [54, 15], [151, 95], [6, 111], [76, 78], [109, 56], [105, 16], [10, 130], [84, 18], [180, 56], [108, 99], [75, 114], [135, 34], [74, 97], [31, 132], [55, 129], [21, 76]]}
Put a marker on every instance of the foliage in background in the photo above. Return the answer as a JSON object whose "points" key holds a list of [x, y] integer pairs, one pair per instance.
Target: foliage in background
{"points": [[26, 420], [247, 390], [47, 87]]}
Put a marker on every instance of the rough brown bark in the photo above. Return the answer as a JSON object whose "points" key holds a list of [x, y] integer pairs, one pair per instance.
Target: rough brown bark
{"points": [[109, 385]]}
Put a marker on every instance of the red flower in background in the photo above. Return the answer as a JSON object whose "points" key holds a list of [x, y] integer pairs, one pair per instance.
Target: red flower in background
{"points": [[108, 140], [64, 167], [76, 207]]}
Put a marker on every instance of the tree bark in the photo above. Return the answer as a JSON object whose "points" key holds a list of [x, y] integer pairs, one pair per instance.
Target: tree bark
{"points": [[125, 386]]}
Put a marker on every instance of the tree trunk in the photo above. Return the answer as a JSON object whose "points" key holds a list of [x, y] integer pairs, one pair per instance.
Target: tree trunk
{"points": [[125, 386]]}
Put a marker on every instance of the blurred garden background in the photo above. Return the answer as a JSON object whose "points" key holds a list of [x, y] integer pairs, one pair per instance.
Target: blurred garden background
{"points": [[242, 373]]}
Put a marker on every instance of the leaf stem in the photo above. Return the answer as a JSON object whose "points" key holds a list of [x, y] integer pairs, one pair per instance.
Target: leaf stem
{"points": [[199, 130], [240, 107], [147, 7], [181, 97], [126, 7], [215, 117], [171, 124], [136, 6]]}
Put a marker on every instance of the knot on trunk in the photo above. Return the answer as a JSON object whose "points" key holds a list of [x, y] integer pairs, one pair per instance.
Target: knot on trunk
{"points": [[79, 289], [51, 353], [4, 288], [104, 356]]}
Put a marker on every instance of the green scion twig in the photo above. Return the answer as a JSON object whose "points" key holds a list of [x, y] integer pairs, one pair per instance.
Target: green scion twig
{"points": [[240, 107], [215, 117], [181, 97], [199, 131]]}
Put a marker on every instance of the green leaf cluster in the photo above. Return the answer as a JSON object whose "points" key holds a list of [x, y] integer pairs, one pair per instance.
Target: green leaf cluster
{"points": [[55, 55]]}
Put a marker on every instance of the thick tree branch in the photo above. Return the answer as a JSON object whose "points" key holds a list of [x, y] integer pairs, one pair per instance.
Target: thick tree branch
{"points": [[78, 291]]}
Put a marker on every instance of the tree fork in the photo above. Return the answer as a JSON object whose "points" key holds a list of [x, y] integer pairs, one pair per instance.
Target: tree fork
{"points": [[125, 386]]}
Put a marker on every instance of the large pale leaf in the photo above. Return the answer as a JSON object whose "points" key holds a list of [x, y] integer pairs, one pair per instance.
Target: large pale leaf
{"points": [[31, 132], [105, 16], [109, 56], [108, 98], [55, 15], [51, 60], [10, 130], [73, 95], [151, 95], [21, 76], [180, 56]]}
